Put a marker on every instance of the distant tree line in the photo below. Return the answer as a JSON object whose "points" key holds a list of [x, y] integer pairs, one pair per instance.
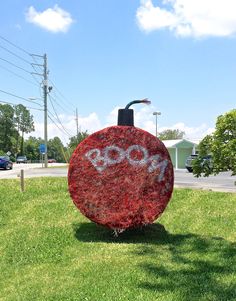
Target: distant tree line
{"points": [[221, 145], [15, 122], [171, 134]]}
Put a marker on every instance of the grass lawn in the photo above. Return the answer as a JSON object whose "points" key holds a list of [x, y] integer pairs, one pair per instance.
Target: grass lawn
{"points": [[49, 251]]}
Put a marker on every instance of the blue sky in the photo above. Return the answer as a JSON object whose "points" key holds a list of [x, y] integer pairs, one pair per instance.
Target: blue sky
{"points": [[103, 54]]}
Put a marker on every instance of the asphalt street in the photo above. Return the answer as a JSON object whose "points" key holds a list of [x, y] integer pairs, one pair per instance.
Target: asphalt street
{"points": [[222, 182], [35, 170]]}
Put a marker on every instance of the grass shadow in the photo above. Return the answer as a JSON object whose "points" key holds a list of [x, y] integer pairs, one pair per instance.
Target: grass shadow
{"points": [[200, 268], [91, 232], [189, 266]]}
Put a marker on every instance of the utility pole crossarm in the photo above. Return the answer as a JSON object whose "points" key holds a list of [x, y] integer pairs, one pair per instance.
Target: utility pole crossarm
{"points": [[34, 64], [37, 55], [35, 73]]}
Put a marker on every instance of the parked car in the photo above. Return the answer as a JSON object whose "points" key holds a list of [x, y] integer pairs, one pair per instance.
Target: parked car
{"points": [[189, 162], [21, 159], [207, 161], [52, 161], [5, 162]]}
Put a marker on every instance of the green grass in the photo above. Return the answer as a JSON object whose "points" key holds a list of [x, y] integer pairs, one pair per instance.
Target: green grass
{"points": [[49, 251]]}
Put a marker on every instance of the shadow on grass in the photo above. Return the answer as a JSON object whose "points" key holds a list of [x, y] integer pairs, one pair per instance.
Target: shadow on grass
{"points": [[197, 268], [190, 266], [91, 232]]}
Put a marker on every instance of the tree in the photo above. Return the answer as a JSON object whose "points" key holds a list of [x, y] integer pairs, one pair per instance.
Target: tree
{"points": [[24, 123], [171, 134], [75, 140], [56, 149], [7, 128], [32, 148], [221, 145]]}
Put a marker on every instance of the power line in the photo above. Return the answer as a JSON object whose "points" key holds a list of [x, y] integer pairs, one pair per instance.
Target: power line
{"points": [[34, 67], [36, 80], [16, 55], [57, 117], [64, 109], [67, 101], [44, 85], [14, 104], [61, 129], [18, 47], [15, 65], [25, 99], [20, 76]]}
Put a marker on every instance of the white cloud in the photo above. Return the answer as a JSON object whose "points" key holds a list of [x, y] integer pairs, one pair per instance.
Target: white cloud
{"points": [[195, 133], [90, 123], [52, 19], [112, 117], [196, 18], [143, 118]]}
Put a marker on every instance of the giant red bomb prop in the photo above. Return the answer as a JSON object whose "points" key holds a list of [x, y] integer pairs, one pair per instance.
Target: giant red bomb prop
{"points": [[121, 177]]}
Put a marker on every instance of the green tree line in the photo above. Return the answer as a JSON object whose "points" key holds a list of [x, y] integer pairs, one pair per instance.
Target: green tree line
{"points": [[221, 145], [15, 122]]}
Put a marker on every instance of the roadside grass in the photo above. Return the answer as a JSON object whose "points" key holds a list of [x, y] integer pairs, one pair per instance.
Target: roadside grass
{"points": [[49, 251]]}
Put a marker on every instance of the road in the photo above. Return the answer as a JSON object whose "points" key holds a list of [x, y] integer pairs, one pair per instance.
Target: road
{"points": [[35, 170], [222, 182]]}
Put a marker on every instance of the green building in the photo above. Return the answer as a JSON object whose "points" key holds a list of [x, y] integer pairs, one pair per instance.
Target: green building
{"points": [[179, 150]]}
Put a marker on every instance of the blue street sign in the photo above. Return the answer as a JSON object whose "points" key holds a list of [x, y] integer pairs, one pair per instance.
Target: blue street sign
{"points": [[42, 148]]}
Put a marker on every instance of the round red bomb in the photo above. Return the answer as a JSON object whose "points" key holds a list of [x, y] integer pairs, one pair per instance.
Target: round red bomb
{"points": [[121, 177]]}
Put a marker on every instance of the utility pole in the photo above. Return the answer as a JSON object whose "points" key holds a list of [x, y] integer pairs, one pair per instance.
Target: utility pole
{"points": [[155, 114], [77, 124], [45, 95]]}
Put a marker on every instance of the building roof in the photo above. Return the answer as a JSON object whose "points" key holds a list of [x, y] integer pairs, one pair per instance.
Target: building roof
{"points": [[179, 143]]}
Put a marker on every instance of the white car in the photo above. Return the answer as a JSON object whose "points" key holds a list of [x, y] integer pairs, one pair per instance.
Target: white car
{"points": [[21, 159]]}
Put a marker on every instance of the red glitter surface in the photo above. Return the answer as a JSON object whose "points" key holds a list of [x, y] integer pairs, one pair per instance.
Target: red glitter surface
{"points": [[121, 177]]}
